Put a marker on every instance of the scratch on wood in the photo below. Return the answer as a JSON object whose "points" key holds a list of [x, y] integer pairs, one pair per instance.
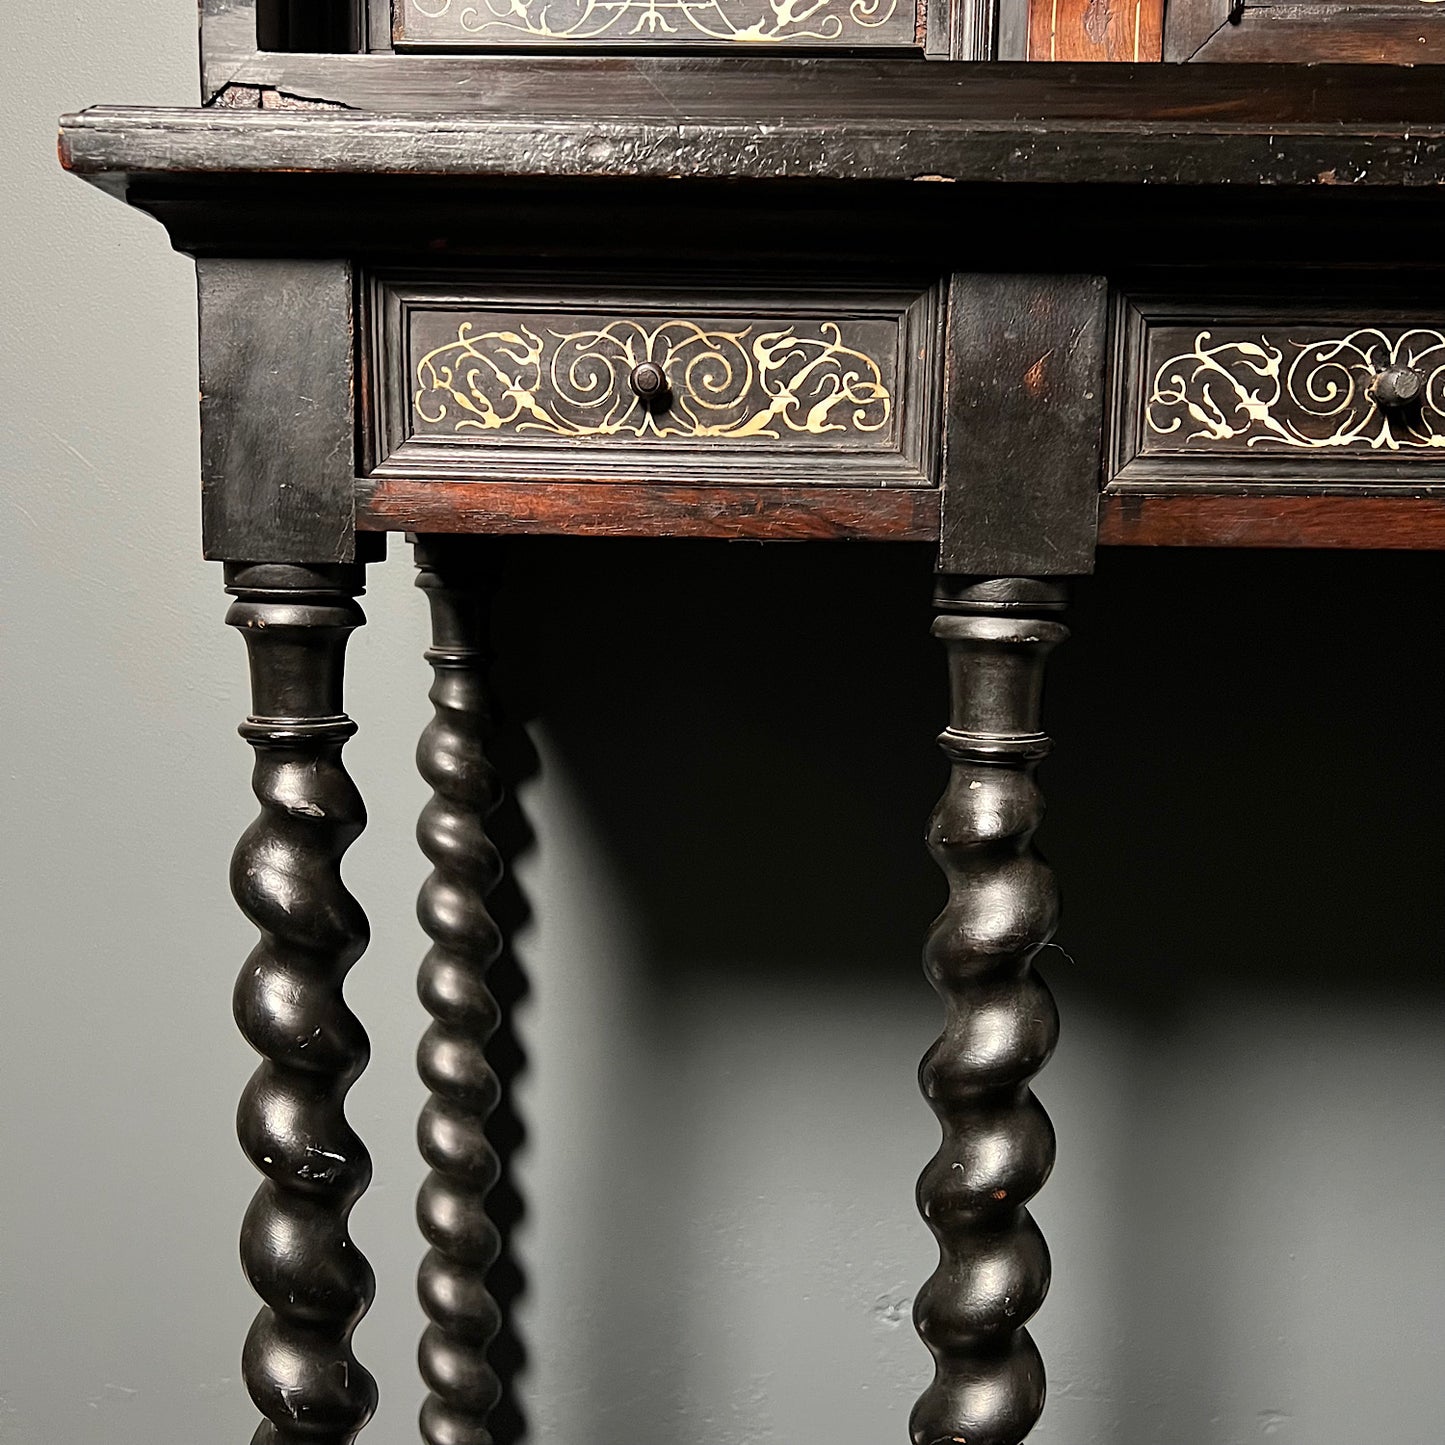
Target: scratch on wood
{"points": [[1034, 377]]}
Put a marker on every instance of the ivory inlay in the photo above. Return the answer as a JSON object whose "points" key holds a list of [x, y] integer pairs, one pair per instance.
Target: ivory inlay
{"points": [[726, 20], [728, 384], [1305, 394]]}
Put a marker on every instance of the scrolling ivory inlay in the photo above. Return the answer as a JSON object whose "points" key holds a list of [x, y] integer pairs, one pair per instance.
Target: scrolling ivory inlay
{"points": [[1306, 394], [717, 20], [726, 384]]}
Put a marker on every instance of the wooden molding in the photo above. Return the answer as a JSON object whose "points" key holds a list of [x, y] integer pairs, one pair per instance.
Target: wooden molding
{"points": [[616, 509]]}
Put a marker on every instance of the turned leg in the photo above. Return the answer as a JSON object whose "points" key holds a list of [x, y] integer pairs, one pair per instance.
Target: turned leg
{"points": [[286, 876], [452, 1059], [1000, 1021]]}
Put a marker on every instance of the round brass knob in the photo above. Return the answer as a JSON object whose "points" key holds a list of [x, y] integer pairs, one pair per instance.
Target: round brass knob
{"points": [[1398, 388], [648, 382]]}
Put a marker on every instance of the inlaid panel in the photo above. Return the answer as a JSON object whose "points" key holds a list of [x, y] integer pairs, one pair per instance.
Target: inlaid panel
{"points": [[567, 377], [1279, 395], [789, 385], [639, 24], [1227, 388]]}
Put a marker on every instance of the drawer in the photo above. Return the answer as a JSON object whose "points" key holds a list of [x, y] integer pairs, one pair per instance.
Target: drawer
{"points": [[668, 384], [1285, 395], [667, 25]]}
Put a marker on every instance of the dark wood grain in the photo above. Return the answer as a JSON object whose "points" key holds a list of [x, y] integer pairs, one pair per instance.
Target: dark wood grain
{"points": [[765, 120], [1188, 24], [1023, 430], [1366, 523], [623, 85], [1103, 30], [617, 510], [277, 410], [1358, 32]]}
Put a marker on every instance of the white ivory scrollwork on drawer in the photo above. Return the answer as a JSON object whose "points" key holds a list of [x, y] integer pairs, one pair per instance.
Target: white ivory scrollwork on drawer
{"points": [[707, 23], [1303, 393], [837, 386], [737, 383], [1256, 390]]}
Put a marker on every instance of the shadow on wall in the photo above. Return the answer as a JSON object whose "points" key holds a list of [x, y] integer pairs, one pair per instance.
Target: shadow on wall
{"points": [[1245, 811]]}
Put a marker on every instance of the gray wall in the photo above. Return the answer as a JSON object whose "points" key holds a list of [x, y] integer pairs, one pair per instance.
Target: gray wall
{"points": [[720, 894]]}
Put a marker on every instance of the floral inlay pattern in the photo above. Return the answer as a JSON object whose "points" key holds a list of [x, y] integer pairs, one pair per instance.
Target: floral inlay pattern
{"points": [[738, 21], [802, 380], [1312, 394]]}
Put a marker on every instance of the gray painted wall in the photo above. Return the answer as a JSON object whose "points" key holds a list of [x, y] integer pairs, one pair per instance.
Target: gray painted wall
{"points": [[730, 764]]}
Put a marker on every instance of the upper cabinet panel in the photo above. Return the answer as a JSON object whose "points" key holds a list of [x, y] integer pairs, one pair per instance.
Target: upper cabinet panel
{"points": [[1283, 31], [486, 24], [660, 24], [1115, 30], [1392, 32]]}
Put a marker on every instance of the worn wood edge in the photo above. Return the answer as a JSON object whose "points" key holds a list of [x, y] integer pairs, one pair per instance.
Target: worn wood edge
{"points": [[610, 509], [1361, 523], [106, 143]]}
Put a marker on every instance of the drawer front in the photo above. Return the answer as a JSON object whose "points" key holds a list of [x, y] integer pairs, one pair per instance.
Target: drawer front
{"points": [[659, 24], [1278, 395], [676, 385]]}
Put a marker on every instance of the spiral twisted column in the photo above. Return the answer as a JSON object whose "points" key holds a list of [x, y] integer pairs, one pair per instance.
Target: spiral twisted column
{"points": [[1000, 1022], [452, 1059], [286, 876]]}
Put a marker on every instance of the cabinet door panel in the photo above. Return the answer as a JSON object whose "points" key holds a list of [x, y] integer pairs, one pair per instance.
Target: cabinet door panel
{"points": [[1393, 32]]}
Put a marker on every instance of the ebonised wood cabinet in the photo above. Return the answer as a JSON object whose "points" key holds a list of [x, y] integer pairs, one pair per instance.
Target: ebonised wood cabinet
{"points": [[1017, 312]]}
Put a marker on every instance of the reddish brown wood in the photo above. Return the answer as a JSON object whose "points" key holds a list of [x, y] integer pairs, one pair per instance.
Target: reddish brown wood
{"points": [[1096, 30], [1398, 523], [599, 509], [877, 514]]}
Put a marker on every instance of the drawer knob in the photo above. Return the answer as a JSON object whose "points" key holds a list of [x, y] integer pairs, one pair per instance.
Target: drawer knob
{"points": [[1398, 388], [648, 382]]}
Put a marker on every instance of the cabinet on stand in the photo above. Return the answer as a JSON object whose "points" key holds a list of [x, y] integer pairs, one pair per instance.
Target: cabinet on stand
{"points": [[669, 269]]}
